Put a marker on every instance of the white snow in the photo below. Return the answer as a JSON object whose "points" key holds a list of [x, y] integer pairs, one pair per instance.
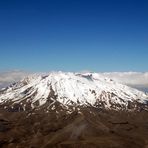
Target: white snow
{"points": [[79, 88]]}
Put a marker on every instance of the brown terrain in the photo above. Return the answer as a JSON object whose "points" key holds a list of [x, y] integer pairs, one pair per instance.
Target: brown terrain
{"points": [[86, 127]]}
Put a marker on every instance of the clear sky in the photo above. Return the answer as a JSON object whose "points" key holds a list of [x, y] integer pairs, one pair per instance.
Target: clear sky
{"points": [[74, 35]]}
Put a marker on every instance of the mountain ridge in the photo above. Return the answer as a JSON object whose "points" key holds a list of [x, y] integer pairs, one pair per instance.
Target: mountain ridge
{"points": [[90, 89]]}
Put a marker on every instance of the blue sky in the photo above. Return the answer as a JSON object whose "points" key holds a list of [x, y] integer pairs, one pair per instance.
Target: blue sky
{"points": [[95, 35]]}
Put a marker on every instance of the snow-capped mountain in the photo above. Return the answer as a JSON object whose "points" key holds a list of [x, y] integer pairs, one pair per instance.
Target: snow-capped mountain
{"points": [[72, 110], [71, 89]]}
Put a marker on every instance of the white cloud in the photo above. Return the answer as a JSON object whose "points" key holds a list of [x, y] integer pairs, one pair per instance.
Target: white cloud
{"points": [[11, 76], [129, 78]]}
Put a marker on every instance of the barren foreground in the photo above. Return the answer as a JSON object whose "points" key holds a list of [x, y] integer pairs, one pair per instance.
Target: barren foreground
{"points": [[87, 128]]}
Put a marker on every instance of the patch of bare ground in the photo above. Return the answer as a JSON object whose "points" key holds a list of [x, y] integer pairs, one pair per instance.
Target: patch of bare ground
{"points": [[87, 128]]}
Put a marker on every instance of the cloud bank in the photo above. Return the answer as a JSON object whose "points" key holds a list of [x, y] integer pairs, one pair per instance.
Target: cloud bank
{"points": [[129, 78], [135, 79], [11, 76]]}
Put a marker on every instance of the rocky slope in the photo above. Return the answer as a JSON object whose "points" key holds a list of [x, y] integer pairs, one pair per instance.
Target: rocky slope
{"points": [[86, 128]]}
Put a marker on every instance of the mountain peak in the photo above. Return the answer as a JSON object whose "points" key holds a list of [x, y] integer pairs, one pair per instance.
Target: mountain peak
{"points": [[69, 88]]}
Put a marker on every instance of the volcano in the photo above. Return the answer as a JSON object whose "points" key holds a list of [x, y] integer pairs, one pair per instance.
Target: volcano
{"points": [[63, 109]]}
